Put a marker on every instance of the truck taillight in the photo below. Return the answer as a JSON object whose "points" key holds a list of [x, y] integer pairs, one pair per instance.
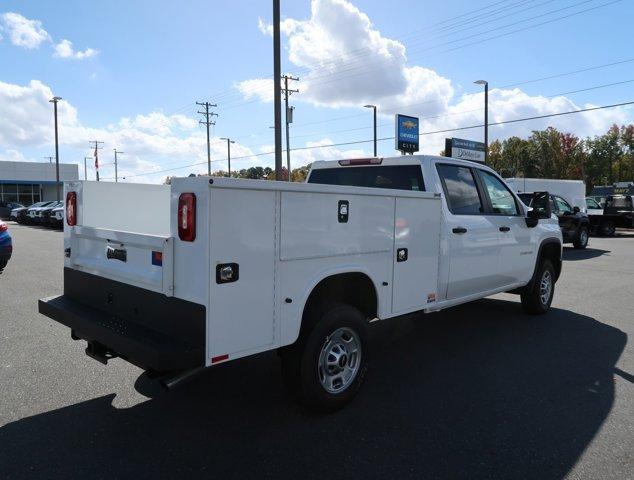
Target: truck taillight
{"points": [[71, 208], [187, 217], [360, 161]]}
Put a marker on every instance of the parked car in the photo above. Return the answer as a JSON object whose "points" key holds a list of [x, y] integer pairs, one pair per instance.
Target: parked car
{"points": [[44, 213], [7, 207], [33, 213], [601, 224], [57, 217], [302, 268], [21, 214], [575, 225], [6, 247]]}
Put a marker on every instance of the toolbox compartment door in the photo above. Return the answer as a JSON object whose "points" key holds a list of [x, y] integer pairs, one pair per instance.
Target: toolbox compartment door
{"points": [[141, 260]]}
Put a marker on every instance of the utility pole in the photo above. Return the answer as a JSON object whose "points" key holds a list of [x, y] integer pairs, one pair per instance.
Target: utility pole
{"points": [[116, 170], [207, 122], [229, 142], [97, 147], [373, 107], [54, 101], [277, 87], [289, 113], [85, 168], [50, 159], [486, 118]]}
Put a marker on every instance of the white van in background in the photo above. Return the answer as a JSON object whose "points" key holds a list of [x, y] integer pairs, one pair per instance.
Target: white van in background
{"points": [[573, 191]]}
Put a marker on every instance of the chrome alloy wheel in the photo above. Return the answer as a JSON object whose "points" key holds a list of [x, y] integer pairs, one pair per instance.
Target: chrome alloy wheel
{"points": [[339, 360], [545, 287]]}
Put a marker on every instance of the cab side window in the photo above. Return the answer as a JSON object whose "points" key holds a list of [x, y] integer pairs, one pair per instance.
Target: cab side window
{"points": [[502, 200], [460, 189], [562, 205]]}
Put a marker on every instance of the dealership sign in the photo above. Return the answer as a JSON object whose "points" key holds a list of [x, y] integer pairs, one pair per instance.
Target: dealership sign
{"points": [[406, 133], [465, 149]]}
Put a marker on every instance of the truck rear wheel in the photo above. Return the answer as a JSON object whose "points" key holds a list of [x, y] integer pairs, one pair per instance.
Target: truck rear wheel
{"points": [[328, 367], [537, 296], [581, 241], [607, 228]]}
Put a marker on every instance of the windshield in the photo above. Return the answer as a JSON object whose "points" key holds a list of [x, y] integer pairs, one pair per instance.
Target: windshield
{"points": [[621, 201]]}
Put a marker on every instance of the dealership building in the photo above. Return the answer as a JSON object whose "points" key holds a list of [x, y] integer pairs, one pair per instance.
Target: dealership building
{"points": [[30, 182]]}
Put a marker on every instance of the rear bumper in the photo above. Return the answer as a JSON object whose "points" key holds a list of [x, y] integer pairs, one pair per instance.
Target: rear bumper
{"points": [[145, 328]]}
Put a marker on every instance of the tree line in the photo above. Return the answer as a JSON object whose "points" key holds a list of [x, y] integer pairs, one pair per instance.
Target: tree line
{"points": [[600, 160]]}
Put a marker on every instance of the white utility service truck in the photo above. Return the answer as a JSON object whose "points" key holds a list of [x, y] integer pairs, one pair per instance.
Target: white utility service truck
{"points": [[207, 270]]}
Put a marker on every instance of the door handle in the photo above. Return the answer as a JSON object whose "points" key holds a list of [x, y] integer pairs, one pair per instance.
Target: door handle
{"points": [[505, 229], [459, 230]]}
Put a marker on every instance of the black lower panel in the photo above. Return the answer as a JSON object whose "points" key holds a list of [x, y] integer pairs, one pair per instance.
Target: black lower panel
{"points": [[147, 328]]}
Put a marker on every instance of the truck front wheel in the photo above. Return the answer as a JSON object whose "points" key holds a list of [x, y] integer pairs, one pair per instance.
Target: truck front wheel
{"points": [[328, 367], [537, 296]]}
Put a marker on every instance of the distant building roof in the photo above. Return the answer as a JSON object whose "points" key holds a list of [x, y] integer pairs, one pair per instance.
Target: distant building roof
{"points": [[36, 172]]}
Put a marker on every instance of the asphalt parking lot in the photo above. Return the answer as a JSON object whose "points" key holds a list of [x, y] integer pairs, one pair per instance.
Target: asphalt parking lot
{"points": [[478, 391]]}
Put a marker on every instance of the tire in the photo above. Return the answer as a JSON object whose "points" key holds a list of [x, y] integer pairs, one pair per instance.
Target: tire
{"points": [[325, 369], [607, 228], [581, 240], [535, 299]]}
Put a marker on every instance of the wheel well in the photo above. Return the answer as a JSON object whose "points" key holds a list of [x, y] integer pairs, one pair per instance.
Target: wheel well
{"points": [[354, 289], [552, 251]]}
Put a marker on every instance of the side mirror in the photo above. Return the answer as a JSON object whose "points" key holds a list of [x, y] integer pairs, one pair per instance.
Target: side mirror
{"points": [[576, 209], [540, 204]]}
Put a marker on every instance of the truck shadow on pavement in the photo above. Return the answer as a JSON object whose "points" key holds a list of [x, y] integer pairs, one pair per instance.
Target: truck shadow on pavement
{"points": [[478, 391], [585, 254]]}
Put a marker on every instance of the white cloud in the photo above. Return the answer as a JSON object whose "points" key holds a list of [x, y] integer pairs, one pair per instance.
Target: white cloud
{"points": [[344, 61], [261, 88], [265, 28], [64, 49], [24, 32]]}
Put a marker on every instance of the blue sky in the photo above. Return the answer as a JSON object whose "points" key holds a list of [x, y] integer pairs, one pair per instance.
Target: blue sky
{"points": [[151, 61]]}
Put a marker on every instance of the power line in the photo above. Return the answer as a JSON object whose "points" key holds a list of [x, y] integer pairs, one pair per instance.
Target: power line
{"points": [[358, 142]]}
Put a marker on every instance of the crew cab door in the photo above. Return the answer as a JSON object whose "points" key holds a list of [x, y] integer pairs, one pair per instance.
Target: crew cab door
{"points": [[516, 247], [472, 236]]}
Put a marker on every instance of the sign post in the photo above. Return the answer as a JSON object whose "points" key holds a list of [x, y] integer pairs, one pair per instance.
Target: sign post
{"points": [[407, 138], [465, 149]]}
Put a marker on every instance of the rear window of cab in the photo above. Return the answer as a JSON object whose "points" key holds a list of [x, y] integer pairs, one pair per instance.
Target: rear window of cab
{"points": [[397, 177]]}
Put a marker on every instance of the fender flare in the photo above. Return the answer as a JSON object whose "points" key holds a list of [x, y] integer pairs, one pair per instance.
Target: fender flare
{"points": [[546, 241], [324, 275]]}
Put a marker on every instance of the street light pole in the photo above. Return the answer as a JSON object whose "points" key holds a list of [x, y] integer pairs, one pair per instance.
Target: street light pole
{"points": [[85, 168], [486, 118], [54, 101], [229, 142], [116, 165], [373, 107]]}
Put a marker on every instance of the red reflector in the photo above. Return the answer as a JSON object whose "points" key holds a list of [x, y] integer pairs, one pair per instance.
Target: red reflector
{"points": [[220, 358], [360, 161], [187, 217], [71, 208]]}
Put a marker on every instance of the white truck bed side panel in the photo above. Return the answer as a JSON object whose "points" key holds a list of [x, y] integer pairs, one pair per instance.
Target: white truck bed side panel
{"points": [[127, 207], [311, 227], [299, 277], [241, 313], [416, 228]]}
